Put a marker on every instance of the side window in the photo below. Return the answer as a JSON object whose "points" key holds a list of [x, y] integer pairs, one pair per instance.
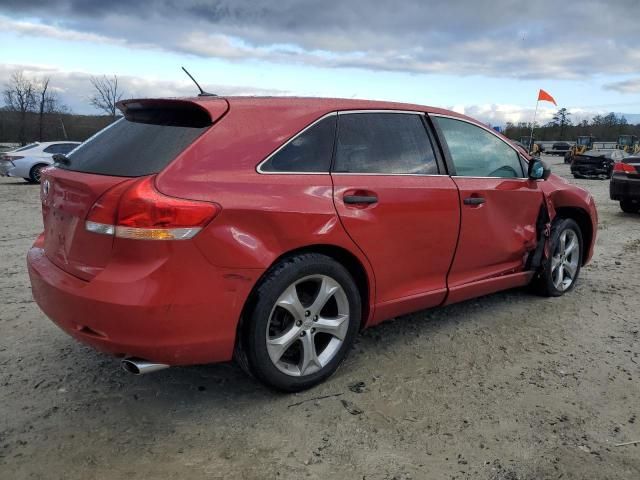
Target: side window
{"points": [[52, 149], [478, 153], [383, 143], [66, 147], [310, 151]]}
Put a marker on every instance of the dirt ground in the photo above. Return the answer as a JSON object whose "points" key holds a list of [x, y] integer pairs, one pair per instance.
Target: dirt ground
{"points": [[507, 387]]}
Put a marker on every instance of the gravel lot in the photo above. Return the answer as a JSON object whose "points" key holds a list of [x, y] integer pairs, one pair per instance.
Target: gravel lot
{"points": [[507, 387]]}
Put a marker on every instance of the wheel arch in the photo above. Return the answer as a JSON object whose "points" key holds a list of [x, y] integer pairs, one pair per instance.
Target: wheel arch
{"points": [[582, 218], [340, 254]]}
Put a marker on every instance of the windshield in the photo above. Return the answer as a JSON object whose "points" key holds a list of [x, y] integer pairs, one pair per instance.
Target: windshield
{"points": [[625, 140], [584, 141]]}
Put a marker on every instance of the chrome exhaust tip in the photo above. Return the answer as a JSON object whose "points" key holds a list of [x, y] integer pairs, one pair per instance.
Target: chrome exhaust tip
{"points": [[137, 366]]}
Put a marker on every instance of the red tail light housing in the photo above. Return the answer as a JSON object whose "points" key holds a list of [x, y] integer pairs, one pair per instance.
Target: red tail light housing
{"points": [[136, 209], [624, 168]]}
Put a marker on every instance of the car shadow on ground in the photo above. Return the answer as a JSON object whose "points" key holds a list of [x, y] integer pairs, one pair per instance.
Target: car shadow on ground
{"points": [[20, 183], [226, 385]]}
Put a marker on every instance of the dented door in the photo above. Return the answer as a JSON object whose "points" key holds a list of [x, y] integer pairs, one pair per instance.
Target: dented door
{"points": [[498, 227]]}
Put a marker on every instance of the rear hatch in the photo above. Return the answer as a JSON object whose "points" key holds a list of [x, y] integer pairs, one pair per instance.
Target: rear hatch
{"points": [[150, 136]]}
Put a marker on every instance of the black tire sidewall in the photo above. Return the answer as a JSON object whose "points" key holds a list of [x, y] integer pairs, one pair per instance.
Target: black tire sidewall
{"points": [[558, 227], [32, 172], [629, 207], [275, 282]]}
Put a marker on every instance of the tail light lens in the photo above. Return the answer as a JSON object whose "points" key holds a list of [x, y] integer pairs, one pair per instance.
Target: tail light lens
{"points": [[135, 209], [624, 168]]}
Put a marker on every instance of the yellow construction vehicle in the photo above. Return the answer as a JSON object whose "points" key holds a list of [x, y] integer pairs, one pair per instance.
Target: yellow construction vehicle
{"points": [[583, 144], [628, 144]]}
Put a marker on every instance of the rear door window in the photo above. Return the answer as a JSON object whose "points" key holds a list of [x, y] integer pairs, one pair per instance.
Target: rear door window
{"points": [[384, 143], [132, 149], [308, 152]]}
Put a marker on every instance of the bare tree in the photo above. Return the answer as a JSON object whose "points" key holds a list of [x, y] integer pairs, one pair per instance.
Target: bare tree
{"points": [[107, 94], [47, 103], [44, 85], [19, 96]]}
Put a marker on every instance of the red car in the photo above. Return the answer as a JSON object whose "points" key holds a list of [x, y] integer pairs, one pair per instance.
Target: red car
{"points": [[271, 230]]}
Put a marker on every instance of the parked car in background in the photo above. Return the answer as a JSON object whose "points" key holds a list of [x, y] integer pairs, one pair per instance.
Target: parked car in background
{"points": [[273, 230], [596, 163], [28, 161], [625, 184], [559, 148]]}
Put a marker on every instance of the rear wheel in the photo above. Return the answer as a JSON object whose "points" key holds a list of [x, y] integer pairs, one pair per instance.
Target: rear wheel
{"points": [[628, 206], [560, 272], [35, 173], [306, 315]]}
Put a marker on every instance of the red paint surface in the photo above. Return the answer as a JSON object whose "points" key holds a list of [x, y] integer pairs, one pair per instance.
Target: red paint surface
{"points": [[179, 302]]}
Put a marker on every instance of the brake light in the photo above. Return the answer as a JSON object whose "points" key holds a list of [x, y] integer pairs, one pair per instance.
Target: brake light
{"points": [[624, 168], [135, 209]]}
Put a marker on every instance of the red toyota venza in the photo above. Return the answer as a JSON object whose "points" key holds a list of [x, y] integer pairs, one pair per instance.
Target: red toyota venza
{"points": [[272, 230]]}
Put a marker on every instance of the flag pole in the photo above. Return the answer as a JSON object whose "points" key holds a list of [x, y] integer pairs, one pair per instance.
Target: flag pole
{"points": [[535, 114]]}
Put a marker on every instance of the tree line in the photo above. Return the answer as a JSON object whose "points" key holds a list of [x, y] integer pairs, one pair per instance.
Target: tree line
{"points": [[33, 111], [604, 127]]}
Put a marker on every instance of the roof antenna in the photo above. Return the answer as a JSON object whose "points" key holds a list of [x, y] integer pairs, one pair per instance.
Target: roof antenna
{"points": [[202, 92]]}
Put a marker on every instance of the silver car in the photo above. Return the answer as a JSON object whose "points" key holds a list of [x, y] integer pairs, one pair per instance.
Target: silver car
{"points": [[28, 161]]}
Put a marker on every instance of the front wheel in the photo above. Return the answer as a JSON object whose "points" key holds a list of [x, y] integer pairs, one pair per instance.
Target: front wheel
{"points": [[305, 318], [560, 272]]}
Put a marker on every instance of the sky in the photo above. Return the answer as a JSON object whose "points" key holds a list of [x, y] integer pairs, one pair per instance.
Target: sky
{"points": [[483, 58]]}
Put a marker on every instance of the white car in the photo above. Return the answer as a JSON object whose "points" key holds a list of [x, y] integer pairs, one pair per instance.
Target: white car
{"points": [[28, 161]]}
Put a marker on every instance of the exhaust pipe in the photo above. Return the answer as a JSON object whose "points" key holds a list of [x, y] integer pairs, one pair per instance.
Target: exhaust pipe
{"points": [[138, 366]]}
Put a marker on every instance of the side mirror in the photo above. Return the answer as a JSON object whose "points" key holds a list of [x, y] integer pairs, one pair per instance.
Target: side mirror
{"points": [[538, 170]]}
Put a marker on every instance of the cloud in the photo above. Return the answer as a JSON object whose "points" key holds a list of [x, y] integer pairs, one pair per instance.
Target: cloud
{"points": [[626, 86], [502, 38]]}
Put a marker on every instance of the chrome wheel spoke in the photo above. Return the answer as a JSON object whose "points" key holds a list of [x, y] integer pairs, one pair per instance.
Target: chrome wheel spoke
{"points": [[573, 244], [328, 287], [289, 301], [278, 345], [570, 269], [310, 361], [336, 327]]}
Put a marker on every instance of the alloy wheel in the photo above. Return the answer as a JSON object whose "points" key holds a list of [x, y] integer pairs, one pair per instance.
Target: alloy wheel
{"points": [[307, 325], [565, 260]]}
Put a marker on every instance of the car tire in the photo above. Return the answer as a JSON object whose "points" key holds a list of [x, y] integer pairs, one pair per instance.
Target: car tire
{"points": [[301, 322], [35, 172], [559, 273], [628, 206]]}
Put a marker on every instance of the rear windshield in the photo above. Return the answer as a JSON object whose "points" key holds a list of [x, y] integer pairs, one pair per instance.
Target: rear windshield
{"points": [[131, 149]]}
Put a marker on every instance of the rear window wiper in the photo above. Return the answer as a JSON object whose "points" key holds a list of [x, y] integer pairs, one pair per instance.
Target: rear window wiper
{"points": [[61, 158]]}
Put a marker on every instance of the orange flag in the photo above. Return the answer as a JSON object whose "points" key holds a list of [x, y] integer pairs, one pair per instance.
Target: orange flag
{"points": [[544, 96]]}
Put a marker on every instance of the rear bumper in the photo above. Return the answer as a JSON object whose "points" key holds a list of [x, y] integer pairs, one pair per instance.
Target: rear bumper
{"points": [[176, 311], [624, 188]]}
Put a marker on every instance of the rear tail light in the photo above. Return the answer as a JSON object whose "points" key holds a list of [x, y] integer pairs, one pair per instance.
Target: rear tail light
{"points": [[135, 209], [624, 168]]}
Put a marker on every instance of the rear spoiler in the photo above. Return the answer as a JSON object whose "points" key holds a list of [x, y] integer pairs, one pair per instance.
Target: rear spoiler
{"points": [[174, 112]]}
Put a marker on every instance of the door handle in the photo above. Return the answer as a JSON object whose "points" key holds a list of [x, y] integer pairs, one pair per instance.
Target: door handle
{"points": [[359, 199], [474, 201]]}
